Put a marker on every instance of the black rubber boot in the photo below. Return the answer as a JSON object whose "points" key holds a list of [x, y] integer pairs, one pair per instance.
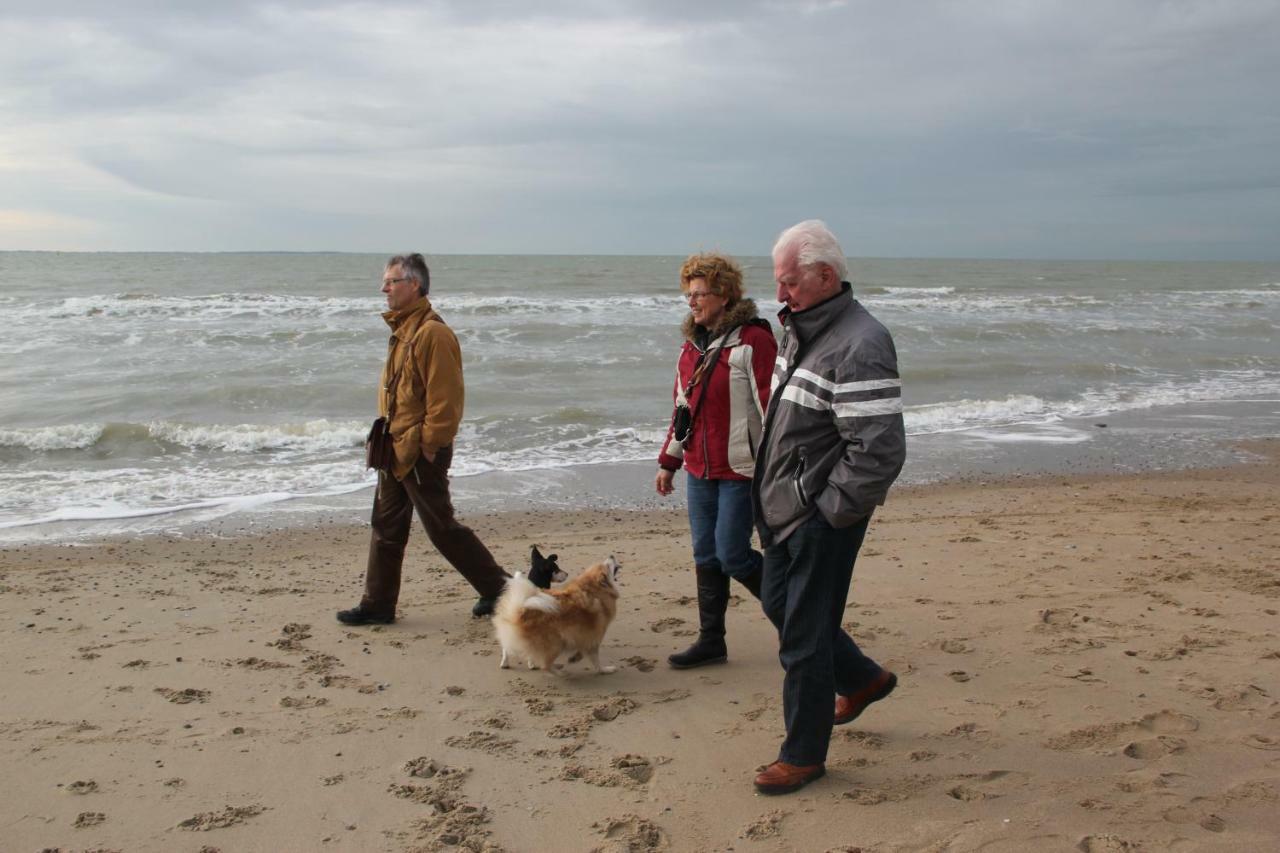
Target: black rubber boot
{"points": [[713, 601]]}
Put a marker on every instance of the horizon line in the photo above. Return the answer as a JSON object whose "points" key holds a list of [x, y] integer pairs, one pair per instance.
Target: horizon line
{"points": [[1025, 258]]}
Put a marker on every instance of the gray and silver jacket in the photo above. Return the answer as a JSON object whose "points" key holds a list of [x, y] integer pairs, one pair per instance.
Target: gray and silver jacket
{"points": [[833, 439]]}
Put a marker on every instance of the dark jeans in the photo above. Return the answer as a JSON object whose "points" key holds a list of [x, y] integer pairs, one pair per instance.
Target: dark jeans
{"points": [[806, 581], [720, 524], [426, 489]]}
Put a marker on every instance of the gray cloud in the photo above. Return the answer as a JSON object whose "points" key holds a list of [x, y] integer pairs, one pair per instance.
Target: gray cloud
{"points": [[1052, 129]]}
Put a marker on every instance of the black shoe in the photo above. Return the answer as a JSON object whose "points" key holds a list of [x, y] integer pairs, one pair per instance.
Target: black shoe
{"points": [[484, 606], [360, 616], [701, 653]]}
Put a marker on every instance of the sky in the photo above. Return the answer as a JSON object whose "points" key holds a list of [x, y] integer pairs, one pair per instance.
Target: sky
{"points": [[1005, 129]]}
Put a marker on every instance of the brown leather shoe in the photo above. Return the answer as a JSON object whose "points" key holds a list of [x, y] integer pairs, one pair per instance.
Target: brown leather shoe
{"points": [[782, 778], [848, 708]]}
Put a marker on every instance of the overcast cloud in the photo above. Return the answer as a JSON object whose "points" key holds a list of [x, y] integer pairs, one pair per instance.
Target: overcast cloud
{"points": [[986, 129]]}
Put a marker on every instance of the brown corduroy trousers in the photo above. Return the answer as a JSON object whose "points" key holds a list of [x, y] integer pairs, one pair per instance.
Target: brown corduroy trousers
{"points": [[426, 489]]}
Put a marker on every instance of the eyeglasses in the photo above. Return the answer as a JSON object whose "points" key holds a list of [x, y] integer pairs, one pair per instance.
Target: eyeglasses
{"points": [[387, 281], [698, 295]]}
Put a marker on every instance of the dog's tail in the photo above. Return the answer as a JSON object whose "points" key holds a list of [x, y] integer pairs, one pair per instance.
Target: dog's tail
{"points": [[520, 594]]}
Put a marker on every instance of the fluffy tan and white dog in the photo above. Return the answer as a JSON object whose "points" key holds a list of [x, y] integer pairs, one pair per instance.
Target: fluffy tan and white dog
{"points": [[541, 624]]}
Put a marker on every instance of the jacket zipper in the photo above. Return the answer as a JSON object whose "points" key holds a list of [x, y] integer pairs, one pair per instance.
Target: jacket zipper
{"points": [[774, 399]]}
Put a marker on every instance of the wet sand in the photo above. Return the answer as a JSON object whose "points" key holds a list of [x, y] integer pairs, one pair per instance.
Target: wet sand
{"points": [[1086, 663]]}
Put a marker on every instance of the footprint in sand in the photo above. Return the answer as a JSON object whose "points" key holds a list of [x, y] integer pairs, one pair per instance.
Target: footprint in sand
{"points": [[229, 816], [453, 823], [1104, 734], [1197, 812], [894, 791], [614, 708], [982, 786], [667, 624], [641, 663], [635, 767], [185, 696], [766, 826], [1169, 722], [1262, 742], [630, 834], [88, 819], [1107, 844], [483, 741], [1156, 747], [866, 739]]}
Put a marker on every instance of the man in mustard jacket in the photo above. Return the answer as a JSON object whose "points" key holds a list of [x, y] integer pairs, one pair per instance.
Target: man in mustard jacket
{"points": [[422, 394]]}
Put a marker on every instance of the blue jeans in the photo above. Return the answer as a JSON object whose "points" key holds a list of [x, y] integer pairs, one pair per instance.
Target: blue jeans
{"points": [[720, 524], [806, 581]]}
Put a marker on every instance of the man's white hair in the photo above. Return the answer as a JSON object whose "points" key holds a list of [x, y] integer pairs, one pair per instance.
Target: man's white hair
{"points": [[813, 243]]}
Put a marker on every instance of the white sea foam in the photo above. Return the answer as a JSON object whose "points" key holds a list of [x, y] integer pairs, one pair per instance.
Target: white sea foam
{"points": [[971, 414], [1043, 434], [246, 306], [311, 436], [190, 309], [967, 415], [64, 437]]}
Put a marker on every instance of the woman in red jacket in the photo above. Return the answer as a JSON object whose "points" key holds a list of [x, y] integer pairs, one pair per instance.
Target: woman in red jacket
{"points": [[721, 391]]}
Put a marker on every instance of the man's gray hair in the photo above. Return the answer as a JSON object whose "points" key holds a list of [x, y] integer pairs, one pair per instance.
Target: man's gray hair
{"points": [[415, 267], [813, 243]]}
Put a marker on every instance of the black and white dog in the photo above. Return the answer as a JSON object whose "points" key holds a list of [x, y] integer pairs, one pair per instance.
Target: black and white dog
{"points": [[544, 571]]}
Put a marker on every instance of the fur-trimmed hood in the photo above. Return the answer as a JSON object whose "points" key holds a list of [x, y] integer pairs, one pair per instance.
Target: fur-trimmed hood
{"points": [[734, 315]]}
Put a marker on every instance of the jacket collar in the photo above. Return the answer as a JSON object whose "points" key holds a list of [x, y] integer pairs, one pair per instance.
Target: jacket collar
{"points": [[735, 315], [809, 323], [405, 321]]}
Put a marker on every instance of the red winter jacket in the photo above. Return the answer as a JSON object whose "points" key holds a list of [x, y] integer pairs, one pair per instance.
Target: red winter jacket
{"points": [[729, 404]]}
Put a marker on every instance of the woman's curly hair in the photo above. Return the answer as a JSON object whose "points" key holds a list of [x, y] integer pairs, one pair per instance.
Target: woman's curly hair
{"points": [[723, 275]]}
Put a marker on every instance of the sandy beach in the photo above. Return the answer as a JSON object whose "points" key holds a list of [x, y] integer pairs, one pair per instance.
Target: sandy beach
{"points": [[1086, 663]]}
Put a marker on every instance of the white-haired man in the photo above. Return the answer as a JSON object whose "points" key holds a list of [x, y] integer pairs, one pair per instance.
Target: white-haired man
{"points": [[833, 444]]}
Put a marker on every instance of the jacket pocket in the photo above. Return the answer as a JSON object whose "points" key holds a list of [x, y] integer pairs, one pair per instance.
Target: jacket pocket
{"points": [[797, 479]]}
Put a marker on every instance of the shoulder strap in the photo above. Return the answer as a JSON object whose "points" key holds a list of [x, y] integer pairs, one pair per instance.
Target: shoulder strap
{"points": [[706, 365]]}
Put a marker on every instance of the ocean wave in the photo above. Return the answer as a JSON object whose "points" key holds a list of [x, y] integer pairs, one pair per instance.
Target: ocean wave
{"points": [[317, 435], [966, 415], [602, 446], [64, 437], [502, 305], [882, 290], [118, 510], [960, 415], [310, 436], [190, 309]]}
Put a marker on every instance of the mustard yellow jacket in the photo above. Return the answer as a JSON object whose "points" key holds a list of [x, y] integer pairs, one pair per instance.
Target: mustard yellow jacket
{"points": [[423, 374]]}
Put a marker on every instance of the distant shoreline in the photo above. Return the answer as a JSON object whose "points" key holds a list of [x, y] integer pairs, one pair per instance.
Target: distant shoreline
{"points": [[608, 487]]}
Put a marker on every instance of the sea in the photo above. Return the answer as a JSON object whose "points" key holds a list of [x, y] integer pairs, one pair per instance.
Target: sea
{"points": [[178, 393]]}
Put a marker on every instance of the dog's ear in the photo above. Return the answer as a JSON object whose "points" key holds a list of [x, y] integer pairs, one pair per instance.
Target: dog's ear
{"points": [[534, 555], [553, 558]]}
